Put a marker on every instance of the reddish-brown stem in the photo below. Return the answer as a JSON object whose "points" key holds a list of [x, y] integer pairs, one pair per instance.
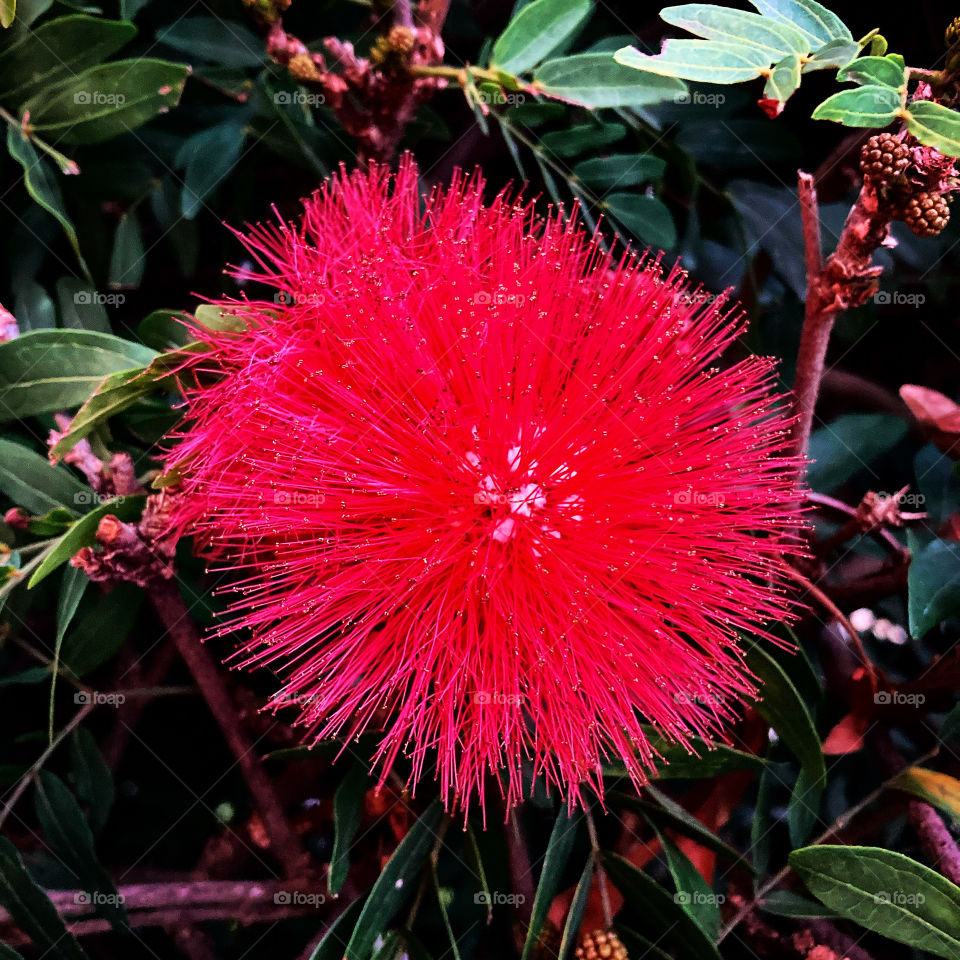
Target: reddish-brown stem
{"points": [[169, 605], [846, 280]]}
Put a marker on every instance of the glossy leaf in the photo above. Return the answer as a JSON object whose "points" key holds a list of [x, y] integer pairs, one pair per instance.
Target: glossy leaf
{"points": [[49, 370], [334, 941], [833, 56], [582, 138], [935, 125], [42, 187], [885, 892], [555, 859], [128, 259], [694, 894], [396, 884], [868, 106], [849, 445], [786, 903], [8, 10], [645, 217], [933, 585], [578, 907], [885, 71], [83, 533], [29, 480], [783, 82], [536, 31], [91, 777], [31, 908], [813, 19], [708, 61], [782, 707], [775, 38], [599, 80], [105, 101], [208, 156], [72, 589], [56, 51]]}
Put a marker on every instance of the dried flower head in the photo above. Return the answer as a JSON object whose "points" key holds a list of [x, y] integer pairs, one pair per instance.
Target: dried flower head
{"points": [[489, 492]]}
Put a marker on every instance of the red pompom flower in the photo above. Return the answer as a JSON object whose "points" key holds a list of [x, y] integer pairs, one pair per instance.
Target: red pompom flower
{"points": [[489, 494]]}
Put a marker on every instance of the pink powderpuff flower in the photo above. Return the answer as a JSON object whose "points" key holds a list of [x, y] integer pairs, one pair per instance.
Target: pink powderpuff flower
{"points": [[484, 488]]}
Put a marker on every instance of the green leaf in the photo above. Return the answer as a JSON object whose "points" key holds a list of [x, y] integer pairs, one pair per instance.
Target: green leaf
{"points": [[396, 884], [8, 953], [536, 31], [850, 444], [781, 706], [599, 80], [935, 125], [578, 907], [939, 789], [128, 259], [950, 728], [885, 892], [71, 593], [619, 170], [933, 585], [209, 156], [91, 777], [105, 101], [164, 330], [70, 837], [56, 51], [47, 370], [645, 217], [709, 61], [559, 847], [803, 810], [534, 114], [869, 106], [885, 71], [29, 480], [783, 81], [836, 54], [83, 533], [664, 920], [226, 42], [216, 318], [775, 38], [347, 805], [582, 137], [99, 633], [32, 909], [118, 392], [33, 306], [8, 10], [693, 894], [43, 188], [813, 19], [334, 941], [785, 903]]}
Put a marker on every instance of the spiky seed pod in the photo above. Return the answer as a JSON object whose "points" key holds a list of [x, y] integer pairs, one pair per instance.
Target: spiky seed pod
{"points": [[953, 32], [926, 214], [883, 158], [600, 945]]}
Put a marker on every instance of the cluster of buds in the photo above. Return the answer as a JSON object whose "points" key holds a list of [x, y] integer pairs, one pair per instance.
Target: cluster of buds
{"points": [[601, 945], [907, 177]]}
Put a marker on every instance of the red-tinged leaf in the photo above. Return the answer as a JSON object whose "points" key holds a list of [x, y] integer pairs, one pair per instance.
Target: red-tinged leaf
{"points": [[937, 414], [771, 107], [847, 735]]}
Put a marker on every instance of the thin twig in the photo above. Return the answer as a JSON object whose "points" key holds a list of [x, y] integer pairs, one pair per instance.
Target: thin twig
{"points": [[169, 605]]}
